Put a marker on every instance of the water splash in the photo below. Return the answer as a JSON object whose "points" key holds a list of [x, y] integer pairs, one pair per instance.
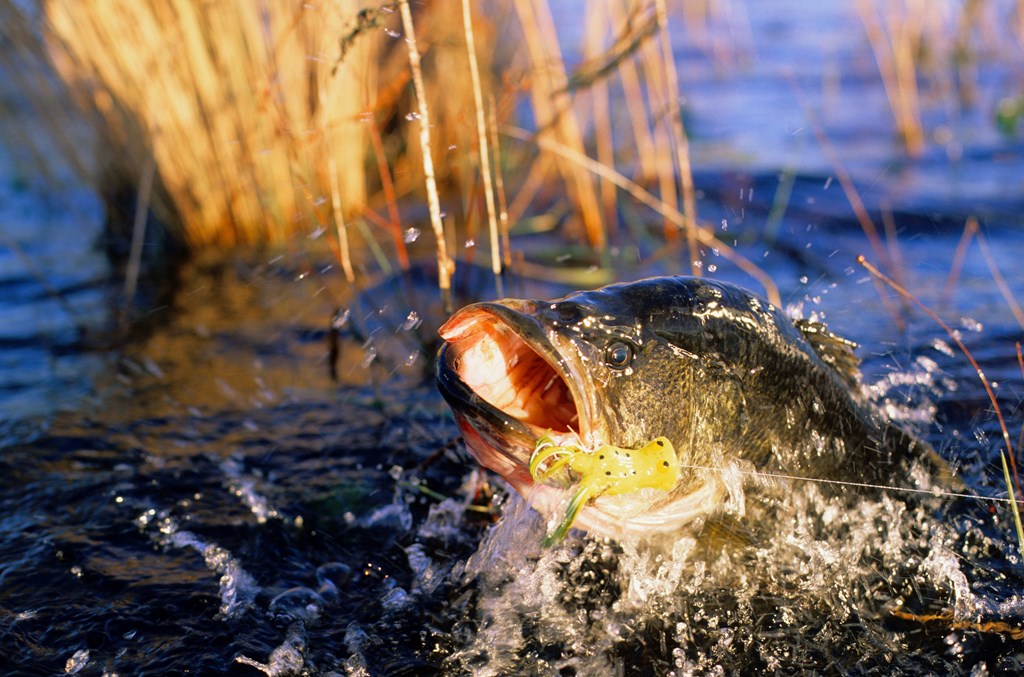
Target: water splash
{"points": [[237, 587]]}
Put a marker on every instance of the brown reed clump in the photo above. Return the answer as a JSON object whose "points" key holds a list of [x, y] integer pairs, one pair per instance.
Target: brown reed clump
{"points": [[240, 108], [241, 105], [266, 120]]}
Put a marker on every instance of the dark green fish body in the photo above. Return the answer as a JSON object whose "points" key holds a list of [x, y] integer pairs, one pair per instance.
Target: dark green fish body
{"points": [[730, 380]]}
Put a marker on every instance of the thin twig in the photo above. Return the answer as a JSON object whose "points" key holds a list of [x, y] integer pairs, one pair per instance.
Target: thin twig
{"points": [[970, 228], [499, 181], [963, 348], [997, 276], [131, 275], [390, 199], [339, 221]]}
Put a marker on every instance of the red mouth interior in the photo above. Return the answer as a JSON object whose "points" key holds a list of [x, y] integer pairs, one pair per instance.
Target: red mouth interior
{"points": [[504, 370]]}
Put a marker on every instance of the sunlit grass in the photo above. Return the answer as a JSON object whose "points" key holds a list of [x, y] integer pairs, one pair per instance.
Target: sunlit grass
{"points": [[272, 120]]}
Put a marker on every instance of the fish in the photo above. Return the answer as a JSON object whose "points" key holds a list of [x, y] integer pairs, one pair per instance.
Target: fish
{"points": [[739, 391]]}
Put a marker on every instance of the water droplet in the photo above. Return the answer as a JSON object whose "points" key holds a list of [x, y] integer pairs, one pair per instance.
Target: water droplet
{"points": [[803, 279], [413, 116], [970, 324], [712, 268], [412, 320], [470, 243], [411, 235], [368, 357], [340, 318], [392, 33]]}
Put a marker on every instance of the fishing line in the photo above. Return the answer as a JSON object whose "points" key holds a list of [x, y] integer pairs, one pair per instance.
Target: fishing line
{"points": [[860, 485]]}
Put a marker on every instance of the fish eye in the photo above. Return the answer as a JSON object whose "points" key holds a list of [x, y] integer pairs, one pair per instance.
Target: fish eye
{"points": [[618, 355]]}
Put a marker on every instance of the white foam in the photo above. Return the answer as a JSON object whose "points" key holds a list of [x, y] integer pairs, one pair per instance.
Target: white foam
{"points": [[286, 659], [237, 587]]}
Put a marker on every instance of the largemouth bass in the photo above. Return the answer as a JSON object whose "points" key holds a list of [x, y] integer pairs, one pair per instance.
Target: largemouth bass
{"points": [[736, 389]]}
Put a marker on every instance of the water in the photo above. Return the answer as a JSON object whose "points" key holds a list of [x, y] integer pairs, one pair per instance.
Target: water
{"points": [[207, 499]]}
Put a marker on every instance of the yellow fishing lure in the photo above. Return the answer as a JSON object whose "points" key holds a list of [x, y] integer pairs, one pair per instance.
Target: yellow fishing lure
{"points": [[608, 470]]}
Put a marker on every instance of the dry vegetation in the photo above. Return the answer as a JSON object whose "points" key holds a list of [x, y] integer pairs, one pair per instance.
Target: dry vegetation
{"points": [[272, 119]]}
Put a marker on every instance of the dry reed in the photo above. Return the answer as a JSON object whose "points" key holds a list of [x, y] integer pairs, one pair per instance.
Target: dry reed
{"points": [[445, 265], [271, 119], [482, 140], [895, 36], [239, 108]]}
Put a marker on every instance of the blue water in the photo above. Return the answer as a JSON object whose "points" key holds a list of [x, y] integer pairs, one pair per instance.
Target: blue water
{"points": [[204, 498]]}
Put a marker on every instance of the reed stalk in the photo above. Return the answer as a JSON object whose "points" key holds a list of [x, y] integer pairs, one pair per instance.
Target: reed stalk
{"points": [[552, 106], [970, 230], [895, 40], [680, 142], [242, 152], [482, 142], [593, 48], [445, 264], [499, 183], [633, 94], [340, 226], [1000, 281], [387, 184], [131, 276], [1013, 505]]}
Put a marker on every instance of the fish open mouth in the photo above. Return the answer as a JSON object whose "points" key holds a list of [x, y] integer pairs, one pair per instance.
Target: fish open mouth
{"points": [[509, 386], [497, 360]]}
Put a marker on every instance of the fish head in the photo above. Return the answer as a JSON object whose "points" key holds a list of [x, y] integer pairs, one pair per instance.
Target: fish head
{"points": [[618, 366]]}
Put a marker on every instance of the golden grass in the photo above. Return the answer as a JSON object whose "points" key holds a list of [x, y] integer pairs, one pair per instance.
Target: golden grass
{"points": [[273, 119], [240, 108], [258, 115]]}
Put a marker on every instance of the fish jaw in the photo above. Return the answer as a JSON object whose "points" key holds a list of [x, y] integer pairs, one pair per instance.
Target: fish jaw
{"points": [[502, 375], [509, 381]]}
